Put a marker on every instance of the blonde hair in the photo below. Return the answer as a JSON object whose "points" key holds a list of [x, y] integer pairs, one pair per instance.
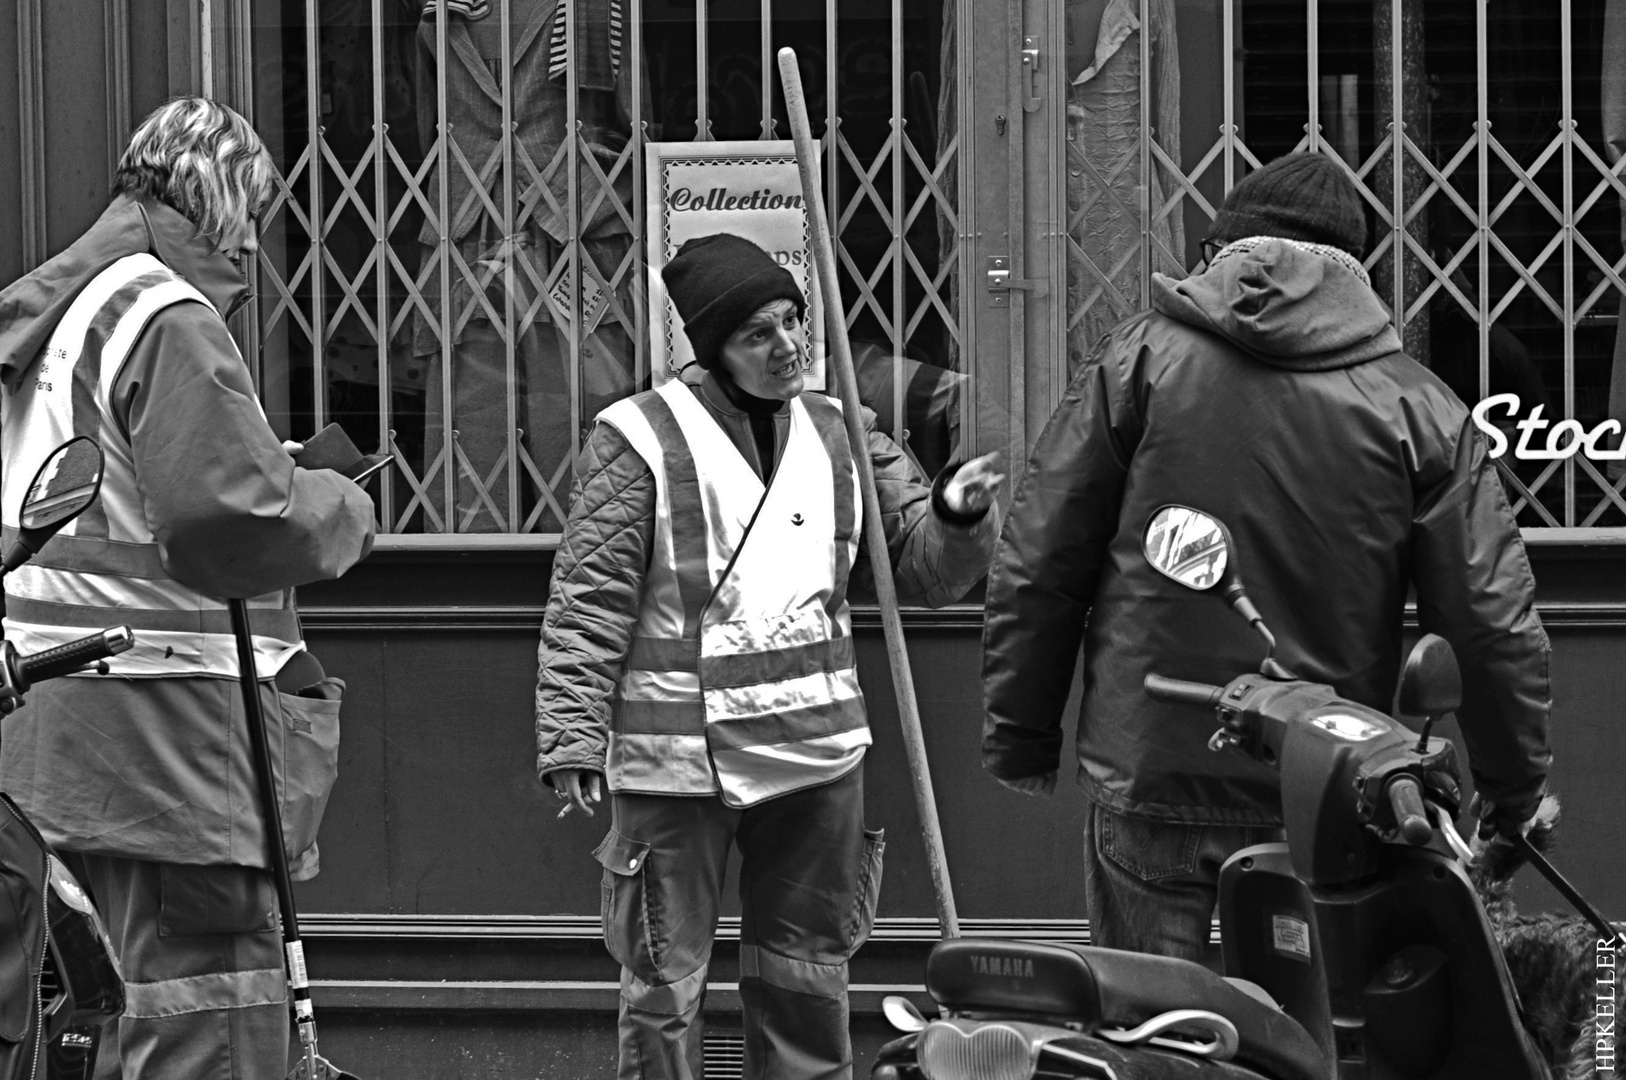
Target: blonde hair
{"points": [[200, 158]]}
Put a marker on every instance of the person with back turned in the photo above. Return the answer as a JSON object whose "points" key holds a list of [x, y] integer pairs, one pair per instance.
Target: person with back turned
{"points": [[1268, 390], [142, 778]]}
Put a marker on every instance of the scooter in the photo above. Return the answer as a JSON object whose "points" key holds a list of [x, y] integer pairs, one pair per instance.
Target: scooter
{"points": [[59, 980], [1356, 950]]}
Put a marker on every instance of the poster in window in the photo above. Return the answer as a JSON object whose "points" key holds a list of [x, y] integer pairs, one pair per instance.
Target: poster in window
{"points": [[751, 189]]}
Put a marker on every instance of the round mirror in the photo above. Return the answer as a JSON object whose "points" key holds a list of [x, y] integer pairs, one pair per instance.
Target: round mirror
{"points": [[1186, 545], [65, 484]]}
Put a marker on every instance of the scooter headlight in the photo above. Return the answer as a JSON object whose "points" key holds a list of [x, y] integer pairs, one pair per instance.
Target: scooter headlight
{"points": [[950, 1050]]}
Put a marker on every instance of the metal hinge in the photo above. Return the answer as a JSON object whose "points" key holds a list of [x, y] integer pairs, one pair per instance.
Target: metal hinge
{"points": [[1000, 282]]}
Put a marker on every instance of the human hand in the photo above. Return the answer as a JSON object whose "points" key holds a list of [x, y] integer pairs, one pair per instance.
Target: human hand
{"points": [[1516, 819], [578, 787], [974, 485], [1044, 784], [292, 446]]}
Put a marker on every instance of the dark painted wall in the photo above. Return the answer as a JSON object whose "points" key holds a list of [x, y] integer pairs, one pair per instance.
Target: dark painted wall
{"points": [[437, 810], [79, 72]]}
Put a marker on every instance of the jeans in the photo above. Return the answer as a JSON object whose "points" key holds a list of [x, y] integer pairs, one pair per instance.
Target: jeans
{"points": [[1151, 886]]}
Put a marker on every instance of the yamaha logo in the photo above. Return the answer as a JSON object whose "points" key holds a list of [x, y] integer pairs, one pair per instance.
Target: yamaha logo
{"points": [[1013, 967]]}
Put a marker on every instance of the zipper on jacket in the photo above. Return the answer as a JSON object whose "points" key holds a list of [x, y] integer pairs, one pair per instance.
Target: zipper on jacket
{"points": [[39, 980]]}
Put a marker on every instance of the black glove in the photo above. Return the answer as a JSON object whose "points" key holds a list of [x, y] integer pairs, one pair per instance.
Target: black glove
{"points": [[1511, 814]]}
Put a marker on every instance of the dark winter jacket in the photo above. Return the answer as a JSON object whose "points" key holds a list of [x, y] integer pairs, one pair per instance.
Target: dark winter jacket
{"points": [[1270, 392], [599, 571]]}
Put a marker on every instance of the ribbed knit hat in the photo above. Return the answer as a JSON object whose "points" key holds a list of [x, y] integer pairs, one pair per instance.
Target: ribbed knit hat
{"points": [[717, 282], [1299, 196]]}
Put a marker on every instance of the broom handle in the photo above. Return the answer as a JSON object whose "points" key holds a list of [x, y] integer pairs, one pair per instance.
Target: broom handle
{"points": [[271, 811], [835, 318]]}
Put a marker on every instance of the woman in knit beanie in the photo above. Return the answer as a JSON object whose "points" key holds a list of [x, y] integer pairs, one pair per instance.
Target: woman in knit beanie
{"points": [[697, 655]]}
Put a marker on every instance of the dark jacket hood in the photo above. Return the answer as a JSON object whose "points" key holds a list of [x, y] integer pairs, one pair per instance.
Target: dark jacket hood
{"points": [[1284, 304], [33, 305]]}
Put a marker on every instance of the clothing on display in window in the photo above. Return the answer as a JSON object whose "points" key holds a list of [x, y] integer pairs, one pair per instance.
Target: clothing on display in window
{"points": [[514, 271], [1103, 162]]}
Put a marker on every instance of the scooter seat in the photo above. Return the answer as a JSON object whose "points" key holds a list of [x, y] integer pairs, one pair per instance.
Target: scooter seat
{"points": [[1108, 988]]}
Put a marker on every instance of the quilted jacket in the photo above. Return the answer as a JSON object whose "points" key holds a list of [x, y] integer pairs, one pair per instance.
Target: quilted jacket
{"points": [[1271, 392], [599, 571]]}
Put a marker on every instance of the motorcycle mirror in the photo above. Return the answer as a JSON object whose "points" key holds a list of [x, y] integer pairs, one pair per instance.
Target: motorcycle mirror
{"points": [[901, 1013], [1194, 549], [65, 485], [1188, 546], [1430, 684]]}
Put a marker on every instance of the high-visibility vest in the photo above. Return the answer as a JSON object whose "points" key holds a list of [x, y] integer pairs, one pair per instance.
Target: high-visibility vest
{"points": [[104, 568], [741, 679]]}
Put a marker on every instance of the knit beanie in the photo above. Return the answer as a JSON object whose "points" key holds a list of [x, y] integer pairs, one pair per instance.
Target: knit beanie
{"points": [[717, 282], [1299, 196]]}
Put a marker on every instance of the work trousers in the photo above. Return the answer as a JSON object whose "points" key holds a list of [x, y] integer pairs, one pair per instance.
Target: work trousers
{"points": [[809, 878], [1151, 886], [200, 949]]}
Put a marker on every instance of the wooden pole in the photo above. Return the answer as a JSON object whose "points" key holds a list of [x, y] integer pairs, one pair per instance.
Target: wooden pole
{"points": [[841, 364]]}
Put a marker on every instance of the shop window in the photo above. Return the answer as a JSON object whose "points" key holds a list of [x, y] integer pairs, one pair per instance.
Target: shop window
{"points": [[476, 286], [1504, 125], [480, 350]]}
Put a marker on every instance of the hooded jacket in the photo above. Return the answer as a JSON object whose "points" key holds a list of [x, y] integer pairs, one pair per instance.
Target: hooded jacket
{"points": [[157, 768], [1269, 391]]}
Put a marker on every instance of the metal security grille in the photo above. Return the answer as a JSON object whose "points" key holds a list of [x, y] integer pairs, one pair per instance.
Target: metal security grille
{"points": [[452, 266], [1496, 210]]}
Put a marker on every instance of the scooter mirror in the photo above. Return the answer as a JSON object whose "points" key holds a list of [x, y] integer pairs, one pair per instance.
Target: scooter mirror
{"points": [[1187, 546], [901, 1013], [1430, 684], [65, 485]]}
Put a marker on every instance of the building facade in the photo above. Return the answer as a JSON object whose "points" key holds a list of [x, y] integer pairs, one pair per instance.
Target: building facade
{"points": [[453, 269]]}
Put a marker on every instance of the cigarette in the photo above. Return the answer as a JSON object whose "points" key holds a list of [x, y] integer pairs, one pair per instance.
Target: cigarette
{"points": [[569, 806]]}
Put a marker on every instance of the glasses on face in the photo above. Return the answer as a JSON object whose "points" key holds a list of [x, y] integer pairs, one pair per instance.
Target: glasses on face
{"points": [[1210, 247]]}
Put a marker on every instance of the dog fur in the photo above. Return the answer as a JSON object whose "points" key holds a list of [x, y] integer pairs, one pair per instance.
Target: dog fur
{"points": [[1551, 958]]}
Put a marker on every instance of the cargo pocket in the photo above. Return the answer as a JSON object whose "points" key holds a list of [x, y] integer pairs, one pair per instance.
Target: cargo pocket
{"points": [[306, 768], [624, 906], [869, 888], [214, 900], [1150, 850]]}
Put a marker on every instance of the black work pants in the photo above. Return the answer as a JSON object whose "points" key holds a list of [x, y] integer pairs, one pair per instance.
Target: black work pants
{"points": [[809, 878]]}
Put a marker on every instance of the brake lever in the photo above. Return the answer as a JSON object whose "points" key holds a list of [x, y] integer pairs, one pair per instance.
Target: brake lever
{"points": [[1449, 830]]}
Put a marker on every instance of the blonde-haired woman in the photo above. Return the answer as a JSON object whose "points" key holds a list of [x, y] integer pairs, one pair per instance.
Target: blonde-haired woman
{"points": [[142, 777]]}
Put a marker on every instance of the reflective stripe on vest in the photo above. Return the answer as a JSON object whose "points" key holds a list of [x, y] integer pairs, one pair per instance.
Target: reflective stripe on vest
{"points": [[741, 679], [105, 567]]}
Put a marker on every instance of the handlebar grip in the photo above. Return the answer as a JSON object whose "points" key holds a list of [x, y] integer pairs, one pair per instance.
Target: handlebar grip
{"points": [[1406, 800], [71, 657], [1182, 692]]}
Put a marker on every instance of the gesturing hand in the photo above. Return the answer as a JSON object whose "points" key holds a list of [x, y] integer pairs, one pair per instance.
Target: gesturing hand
{"points": [[579, 787], [975, 485]]}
